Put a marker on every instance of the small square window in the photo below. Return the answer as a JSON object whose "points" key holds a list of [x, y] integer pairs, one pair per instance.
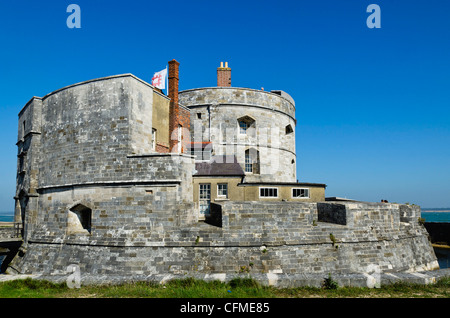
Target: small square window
{"points": [[199, 115], [222, 190], [289, 129]]}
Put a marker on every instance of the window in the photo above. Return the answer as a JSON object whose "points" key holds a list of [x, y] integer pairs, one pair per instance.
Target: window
{"points": [[154, 139], [205, 191], [268, 192], [248, 162], [245, 123], [222, 190], [289, 129], [300, 193], [251, 161], [205, 198], [199, 115], [243, 127]]}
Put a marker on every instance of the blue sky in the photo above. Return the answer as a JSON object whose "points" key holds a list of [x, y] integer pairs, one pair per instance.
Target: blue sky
{"points": [[372, 105]]}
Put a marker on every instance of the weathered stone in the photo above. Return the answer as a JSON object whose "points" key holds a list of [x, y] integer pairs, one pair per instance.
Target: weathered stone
{"points": [[91, 192]]}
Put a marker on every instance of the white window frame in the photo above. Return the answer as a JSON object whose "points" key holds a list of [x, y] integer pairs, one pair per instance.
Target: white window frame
{"points": [[222, 196], [268, 197], [248, 165], [204, 198], [297, 197]]}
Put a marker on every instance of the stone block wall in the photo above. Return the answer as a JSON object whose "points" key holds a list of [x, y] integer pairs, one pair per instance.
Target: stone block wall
{"points": [[281, 238], [83, 125], [332, 213], [79, 143], [152, 200]]}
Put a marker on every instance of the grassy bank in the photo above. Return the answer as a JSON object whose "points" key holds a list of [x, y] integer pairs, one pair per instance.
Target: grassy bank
{"points": [[240, 288]]}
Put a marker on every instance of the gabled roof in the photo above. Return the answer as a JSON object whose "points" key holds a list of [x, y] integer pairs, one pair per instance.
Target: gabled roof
{"points": [[219, 166]]}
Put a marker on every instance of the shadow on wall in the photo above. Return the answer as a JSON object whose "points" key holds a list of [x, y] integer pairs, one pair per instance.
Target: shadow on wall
{"points": [[215, 215], [332, 213], [327, 212]]}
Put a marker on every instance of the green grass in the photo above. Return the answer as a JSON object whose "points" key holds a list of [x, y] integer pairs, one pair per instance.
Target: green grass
{"points": [[237, 288]]}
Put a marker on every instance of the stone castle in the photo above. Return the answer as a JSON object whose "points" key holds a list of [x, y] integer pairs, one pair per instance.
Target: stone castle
{"points": [[127, 183]]}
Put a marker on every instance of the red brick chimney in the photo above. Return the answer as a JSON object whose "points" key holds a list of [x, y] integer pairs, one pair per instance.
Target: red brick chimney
{"points": [[179, 117], [224, 75], [174, 109]]}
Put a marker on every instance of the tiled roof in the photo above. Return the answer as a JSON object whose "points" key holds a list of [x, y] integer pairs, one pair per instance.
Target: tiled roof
{"points": [[219, 166]]}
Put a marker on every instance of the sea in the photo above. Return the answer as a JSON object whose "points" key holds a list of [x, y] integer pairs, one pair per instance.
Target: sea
{"points": [[6, 216], [436, 215]]}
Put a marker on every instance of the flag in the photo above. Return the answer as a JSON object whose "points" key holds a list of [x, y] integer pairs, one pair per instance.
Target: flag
{"points": [[159, 79]]}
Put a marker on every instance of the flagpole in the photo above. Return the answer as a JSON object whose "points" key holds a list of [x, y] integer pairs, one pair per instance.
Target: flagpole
{"points": [[167, 82]]}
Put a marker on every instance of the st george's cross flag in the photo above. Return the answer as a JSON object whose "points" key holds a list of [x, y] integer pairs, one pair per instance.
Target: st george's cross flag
{"points": [[159, 79]]}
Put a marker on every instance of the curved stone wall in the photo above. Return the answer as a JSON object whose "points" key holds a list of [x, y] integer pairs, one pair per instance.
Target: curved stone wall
{"points": [[88, 129], [215, 116], [284, 239], [91, 154], [237, 96]]}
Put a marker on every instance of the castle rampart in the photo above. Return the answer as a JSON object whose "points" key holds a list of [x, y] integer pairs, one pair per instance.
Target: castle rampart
{"points": [[282, 239]]}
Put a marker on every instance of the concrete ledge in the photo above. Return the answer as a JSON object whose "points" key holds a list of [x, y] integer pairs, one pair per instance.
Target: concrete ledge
{"points": [[270, 279]]}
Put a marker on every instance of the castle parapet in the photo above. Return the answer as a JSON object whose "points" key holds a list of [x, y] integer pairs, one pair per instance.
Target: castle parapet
{"points": [[277, 100]]}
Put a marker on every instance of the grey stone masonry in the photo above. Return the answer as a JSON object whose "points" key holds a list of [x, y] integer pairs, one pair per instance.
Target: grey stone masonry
{"points": [[215, 116], [92, 192], [90, 145], [282, 239]]}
